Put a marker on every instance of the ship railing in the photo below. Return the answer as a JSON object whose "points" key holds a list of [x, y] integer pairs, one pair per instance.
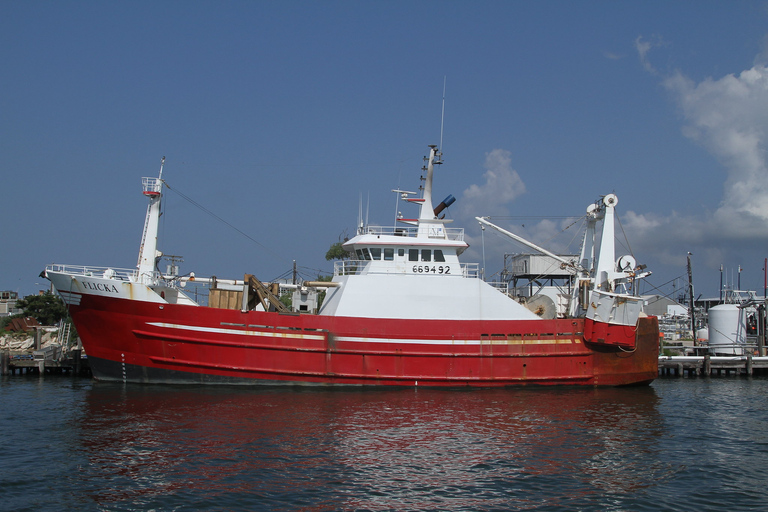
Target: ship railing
{"points": [[470, 270], [450, 233], [365, 267], [501, 286], [151, 185], [120, 274]]}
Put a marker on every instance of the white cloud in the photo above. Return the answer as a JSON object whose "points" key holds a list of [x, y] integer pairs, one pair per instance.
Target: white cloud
{"points": [[728, 117], [643, 47], [502, 185]]}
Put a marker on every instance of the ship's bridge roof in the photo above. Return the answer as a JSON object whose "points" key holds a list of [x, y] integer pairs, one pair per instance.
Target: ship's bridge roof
{"points": [[414, 236]]}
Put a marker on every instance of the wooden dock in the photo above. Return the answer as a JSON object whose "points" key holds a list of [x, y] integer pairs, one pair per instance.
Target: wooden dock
{"points": [[678, 366], [26, 363]]}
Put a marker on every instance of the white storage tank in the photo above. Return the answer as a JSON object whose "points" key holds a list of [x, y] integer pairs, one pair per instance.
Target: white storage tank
{"points": [[727, 330]]}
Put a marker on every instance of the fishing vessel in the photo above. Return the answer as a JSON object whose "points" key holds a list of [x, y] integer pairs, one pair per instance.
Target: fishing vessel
{"points": [[402, 311]]}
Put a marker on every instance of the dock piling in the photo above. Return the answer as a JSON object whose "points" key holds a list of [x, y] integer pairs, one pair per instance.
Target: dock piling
{"points": [[76, 361], [708, 366]]}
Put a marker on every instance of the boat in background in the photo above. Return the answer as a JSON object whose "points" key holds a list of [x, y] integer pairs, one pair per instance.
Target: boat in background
{"points": [[403, 311]]}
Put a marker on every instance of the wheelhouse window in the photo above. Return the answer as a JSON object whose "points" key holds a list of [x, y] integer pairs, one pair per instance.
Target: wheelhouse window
{"points": [[366, 254], [389, 254], [426, 255], [401, 252], [376, 253], [439, 256], [413, 255]]}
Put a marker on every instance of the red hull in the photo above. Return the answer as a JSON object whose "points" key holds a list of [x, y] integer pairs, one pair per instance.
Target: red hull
{"points": [[144, 342]]}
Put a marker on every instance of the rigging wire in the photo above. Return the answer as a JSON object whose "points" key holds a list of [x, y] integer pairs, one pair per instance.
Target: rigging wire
{"points": [[549, 241], [524, 217], [580, 231], [316, 271], [305, 271], [209, 212], [658, 288], [629, 248]]}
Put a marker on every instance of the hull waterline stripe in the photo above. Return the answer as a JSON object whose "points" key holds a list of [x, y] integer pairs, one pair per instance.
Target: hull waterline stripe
{"points": [[412, 341], [362, 351], [548, 341], [241, 332]]}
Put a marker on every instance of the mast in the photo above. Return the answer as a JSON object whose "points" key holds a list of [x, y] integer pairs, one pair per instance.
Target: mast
{"points": [[587, 255], [692, 310], [605, 265], [152, 189], [427, 210]]}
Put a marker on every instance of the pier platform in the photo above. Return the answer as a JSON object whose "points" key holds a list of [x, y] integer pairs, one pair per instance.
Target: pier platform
{"points": [[39, 362], [707, 365]]}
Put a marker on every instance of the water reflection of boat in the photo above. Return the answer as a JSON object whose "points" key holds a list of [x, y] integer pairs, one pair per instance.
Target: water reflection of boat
{"points": [[406, 312], [369, 449]]}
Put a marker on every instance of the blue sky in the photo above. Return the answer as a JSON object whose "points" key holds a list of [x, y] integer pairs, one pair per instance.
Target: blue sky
{"points": [[279, 116]]}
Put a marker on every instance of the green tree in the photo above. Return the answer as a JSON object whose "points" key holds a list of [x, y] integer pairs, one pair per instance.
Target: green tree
{"points": [[336, 252], [47, 308]]}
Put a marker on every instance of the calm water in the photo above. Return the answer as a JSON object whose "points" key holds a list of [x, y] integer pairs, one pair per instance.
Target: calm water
{"points": [[681, 444]]}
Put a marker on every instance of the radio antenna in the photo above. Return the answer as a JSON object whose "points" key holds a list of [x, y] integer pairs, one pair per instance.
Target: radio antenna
{"points": [[442, 115]]}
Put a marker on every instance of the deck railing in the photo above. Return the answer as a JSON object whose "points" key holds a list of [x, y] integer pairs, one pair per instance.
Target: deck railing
{"points": [[450, 233], [121, 274]]}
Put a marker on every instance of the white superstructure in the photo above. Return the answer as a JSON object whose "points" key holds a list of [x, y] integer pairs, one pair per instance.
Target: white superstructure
{"points": [[414, 272]]}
